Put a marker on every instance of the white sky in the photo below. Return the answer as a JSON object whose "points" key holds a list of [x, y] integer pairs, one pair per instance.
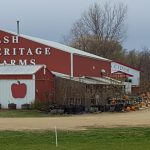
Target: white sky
{"points": [[52, 19]]}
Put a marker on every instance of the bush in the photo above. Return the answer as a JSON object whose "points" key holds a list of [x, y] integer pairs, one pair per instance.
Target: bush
{"points": [[36, 105], [128, 80], [47, 107], [41, 105]]}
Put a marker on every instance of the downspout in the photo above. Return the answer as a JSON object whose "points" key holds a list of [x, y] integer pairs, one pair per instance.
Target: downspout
{"points": [[71, 64]]}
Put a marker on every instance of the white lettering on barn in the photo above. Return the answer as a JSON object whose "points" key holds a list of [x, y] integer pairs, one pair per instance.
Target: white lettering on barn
{"points": [[19, 62], [20, 51], [7, 39], [118, 67]]}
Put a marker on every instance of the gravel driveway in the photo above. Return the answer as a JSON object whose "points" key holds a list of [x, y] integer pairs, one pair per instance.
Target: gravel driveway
{"points": [[78, 122]]}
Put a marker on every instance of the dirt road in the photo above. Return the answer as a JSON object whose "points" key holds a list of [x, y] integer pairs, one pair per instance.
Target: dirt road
{"points": [[127, 119]]}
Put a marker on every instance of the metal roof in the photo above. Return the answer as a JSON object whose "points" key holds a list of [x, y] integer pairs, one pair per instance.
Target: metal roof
{"points": [[63, 47], [19, 70], [59, 46], [89, 80], [61, 75], [107, 80]]}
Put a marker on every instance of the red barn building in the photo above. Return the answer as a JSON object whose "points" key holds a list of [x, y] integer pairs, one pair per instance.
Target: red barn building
{"points": [[24, 84], [29, 52], [18, 49], [23, 50]]}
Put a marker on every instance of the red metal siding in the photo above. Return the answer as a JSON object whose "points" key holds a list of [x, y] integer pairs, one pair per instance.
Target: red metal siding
{"points": [[58, 60], [15, 77], [86, 66], [44, 85]]}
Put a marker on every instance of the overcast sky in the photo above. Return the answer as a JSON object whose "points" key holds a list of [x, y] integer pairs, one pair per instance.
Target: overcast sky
{"points": [[52, 19]]}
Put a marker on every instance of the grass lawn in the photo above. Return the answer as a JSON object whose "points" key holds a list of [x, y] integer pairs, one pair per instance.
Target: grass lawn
{"points": [[22, 113], [91, 139]]}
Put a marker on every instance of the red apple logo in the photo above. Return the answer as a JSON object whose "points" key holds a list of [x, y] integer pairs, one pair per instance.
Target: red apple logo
{"points": [[18, 90]]}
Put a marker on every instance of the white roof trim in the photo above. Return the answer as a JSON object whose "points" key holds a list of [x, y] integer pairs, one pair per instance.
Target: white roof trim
{"points": [[19, 69], [57, 74]]}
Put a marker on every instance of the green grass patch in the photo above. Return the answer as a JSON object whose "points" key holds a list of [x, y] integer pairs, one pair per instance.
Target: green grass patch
{"points": [[92, 139], [23, 113]]}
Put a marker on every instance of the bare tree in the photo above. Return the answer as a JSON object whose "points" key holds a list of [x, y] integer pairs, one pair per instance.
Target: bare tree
{"points": [[141, 60], [101, 29]]}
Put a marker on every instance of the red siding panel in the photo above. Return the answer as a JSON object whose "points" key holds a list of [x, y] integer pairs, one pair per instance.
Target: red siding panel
{"points": [[15, 77], [44, 85], [85, 66], [58, 60]]}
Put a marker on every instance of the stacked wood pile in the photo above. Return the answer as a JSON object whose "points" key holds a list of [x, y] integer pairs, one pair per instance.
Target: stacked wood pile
{"points": [[148, 96], [73, 93], [145, 98], [68, 92]]}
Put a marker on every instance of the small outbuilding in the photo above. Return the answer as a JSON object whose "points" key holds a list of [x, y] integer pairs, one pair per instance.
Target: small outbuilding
{"points": [[25, 84]]}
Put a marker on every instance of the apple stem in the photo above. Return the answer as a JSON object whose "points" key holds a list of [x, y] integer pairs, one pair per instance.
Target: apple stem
{"points": [[18, 82]]}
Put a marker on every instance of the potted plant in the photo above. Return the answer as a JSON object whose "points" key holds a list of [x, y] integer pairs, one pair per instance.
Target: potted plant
{"points": [[25, 106], [11, 106]]}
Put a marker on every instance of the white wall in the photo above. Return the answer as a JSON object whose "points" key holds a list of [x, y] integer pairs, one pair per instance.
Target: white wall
{"points": [[6, 94], [136, 74]]}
